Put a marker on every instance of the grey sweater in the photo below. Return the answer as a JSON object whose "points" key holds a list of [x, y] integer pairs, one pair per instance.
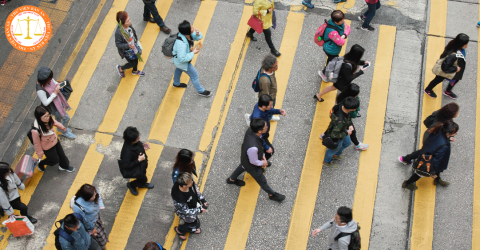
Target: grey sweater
{"points": [[13, 184], [343, 242]]}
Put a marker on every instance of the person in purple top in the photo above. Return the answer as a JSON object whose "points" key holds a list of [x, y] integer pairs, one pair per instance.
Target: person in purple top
{"points": [[253, 159]]}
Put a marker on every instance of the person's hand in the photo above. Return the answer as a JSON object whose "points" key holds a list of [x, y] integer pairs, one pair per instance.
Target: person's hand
{"points": [[316, 231], [197, 32], [146, 146], [283, 112], [196, 50], [57, 89], [102, 207], [270, 150], [132, 46], [367, 62], [351, 128], [270, 10], [265, 163], [458, 69], [203, 211], [434, 176], [452, 139], [94, 232], [141, 157], [343, 36]]}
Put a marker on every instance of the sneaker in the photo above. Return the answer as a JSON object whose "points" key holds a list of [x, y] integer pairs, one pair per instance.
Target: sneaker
{"points": [[41, 168], [430, 93], [478, 25], [139, 72], [277, 197], [406, 163], [275, 118], [358, 115], [181, 85], [70, 169], [310, 6], [121, 74], [337, 157], [450, 94], [132, 189], [362, 146], [369, 28], [361, 18], [409, 186], [147, 185], [330, 164], [31, 219], [323, 76], [237, 182], [247, 119], [441, 182], [321, 136], [69, 135], [205, 93]]}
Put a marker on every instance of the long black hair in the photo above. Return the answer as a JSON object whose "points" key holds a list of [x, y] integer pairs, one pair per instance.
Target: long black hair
{"points": [[354, 56], [449, 127], [4, 169], [184, 161], [39, 112], [352, 90], [457, 43], [86, 191], [447, 112]]}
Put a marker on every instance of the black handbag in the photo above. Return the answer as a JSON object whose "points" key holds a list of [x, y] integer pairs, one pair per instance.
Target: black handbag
{"points": [[424, 163], [67, 90], [329, 142]]}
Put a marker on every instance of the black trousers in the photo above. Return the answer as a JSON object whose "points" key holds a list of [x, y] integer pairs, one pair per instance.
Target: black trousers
{"points": [[18, 205], [150, 8], [138, 182], [268, 37], [439, 79], [257, 174], [55, 155], [189, 227], [130, 64], [410, 157], [415, 177]]}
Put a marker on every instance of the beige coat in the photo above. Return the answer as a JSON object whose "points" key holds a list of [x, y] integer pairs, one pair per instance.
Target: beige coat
{"points": [[46, 141]]}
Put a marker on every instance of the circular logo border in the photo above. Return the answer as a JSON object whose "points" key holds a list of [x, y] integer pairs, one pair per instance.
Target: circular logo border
{"points": [[41, 43]]}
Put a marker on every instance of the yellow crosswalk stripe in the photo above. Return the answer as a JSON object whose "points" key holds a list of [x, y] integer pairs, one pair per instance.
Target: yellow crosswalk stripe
{"points": [[302, 212], [476, 174], [367, 176], [345, 6], [438, 18], [247, 199]]}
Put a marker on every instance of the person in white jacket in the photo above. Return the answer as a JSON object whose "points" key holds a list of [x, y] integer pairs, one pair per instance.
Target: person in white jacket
{"points": [[341, 223], [9, 196]]}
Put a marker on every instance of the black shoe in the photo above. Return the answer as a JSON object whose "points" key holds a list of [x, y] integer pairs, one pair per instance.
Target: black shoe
{"points": [[269, 163], [450, 94], [321, 99], [41, 168], [275, 52], [205, 93], [165, 30], [147, 185], [149, 19], [237, 182], [277, 197], [369, 28], [132, 189], [361, 18], [31, 219], [359, 115], [252, 38], [182, 85], [70, 169], [430, 93]]}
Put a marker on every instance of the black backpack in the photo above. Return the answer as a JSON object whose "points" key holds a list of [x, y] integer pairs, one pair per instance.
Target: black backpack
{"points": [[29, 133], [355, 241], [60, 232]]}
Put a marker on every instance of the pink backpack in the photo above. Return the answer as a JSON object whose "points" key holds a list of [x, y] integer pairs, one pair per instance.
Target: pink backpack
{"points": [[319, 40]]}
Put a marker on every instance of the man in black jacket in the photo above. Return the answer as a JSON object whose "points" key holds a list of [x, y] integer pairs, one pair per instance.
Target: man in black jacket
{"points": [[151, 9], [134, 160], [253, 159]]}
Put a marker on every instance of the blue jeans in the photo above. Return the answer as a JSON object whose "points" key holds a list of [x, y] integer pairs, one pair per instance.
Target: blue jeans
{"points": [[192, 73], [370, 13], [62, 119], [308, 3], [344, 143], [150, 8]]}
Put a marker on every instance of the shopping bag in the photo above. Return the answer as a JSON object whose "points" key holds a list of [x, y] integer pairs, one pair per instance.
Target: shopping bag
{"points": [[274, 20], [256, 23], [25, 167], [19, 226]]}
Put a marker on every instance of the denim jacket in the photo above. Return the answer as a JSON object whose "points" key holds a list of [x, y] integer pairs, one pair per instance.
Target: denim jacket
{"points": [[90, 211], [181, 51]]}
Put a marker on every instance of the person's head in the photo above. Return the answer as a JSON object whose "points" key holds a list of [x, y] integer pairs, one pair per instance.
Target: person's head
{"points": [[152, 246], [354, 55], [131, 135], [270, 63], [5, 170], [88, 193], [343, 216], [122, 16], [351, 91], [459, 42], [44, 76], [265, 102], [448, 128], [185, 28], [71, 222], [338, 17], [184, 161], [258, 125], [448, 112], [185, 180], [43, 116], [351, 104]]}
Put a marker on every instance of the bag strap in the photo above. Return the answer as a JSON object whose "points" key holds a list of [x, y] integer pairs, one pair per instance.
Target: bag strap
{"points": [[65, 235], [80, 206], [331, 27], [342, 234]]}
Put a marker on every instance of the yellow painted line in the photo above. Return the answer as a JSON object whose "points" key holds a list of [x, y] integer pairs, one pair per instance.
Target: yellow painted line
{"points": [[438, 18], [86, 174], [163, 121], [345, 6], [127, 85], [249, 1], [302, 212], [424, 204], [476, 173], [367, 176], [247, 199], [127, 215]]}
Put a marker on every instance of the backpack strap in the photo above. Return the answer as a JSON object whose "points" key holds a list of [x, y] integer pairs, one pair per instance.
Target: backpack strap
{"points": [[264, 74], [65, 235], [331, 27], [342, 234]]}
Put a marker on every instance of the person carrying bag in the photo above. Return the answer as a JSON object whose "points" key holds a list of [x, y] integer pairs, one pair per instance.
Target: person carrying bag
{"points": [[263, 12]]}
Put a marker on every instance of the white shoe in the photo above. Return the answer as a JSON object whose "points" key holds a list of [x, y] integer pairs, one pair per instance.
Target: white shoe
{"points": [[361, 146], [275, 118], [247, 119], [324, 78]]}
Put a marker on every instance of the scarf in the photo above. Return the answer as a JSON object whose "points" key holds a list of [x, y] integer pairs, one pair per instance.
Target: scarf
{"points": [[60, 102]]}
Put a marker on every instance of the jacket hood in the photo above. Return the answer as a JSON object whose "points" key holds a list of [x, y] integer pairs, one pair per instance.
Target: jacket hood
{"points": [[349, 228]]}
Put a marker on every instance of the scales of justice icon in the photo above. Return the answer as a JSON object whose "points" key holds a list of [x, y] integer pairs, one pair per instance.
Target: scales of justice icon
{"points": [[37, 32]]}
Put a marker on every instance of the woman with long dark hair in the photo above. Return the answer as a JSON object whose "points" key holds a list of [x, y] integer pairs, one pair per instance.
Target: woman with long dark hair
{"points": [[347, 73], [9, 196], [88, 202], [452, 67], [184, 162], [45, 141], [446, 113]]}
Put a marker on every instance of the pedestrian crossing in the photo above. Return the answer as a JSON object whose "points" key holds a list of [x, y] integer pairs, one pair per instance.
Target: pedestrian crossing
{"points": [[244, 218]]}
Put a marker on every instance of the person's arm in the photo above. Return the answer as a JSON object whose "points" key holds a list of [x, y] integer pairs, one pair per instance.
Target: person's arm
{"points": [[37, 143], [336, 38], [441, 158], [42, 95], [327, 225], [59, 125], [346, 72], [195, 37], [252, 154], [129, 161], [264, 85], [18, 182], [120, 41], [180, 48], [200, 195], [265, 145], [100, 201], [183, 210], [346, 29], [5, 203], [257, 6], [447, 65], [89, 225], [343, 242], [274, 111]]}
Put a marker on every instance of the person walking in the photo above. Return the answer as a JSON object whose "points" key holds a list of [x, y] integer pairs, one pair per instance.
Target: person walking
{"points": [[268, 83], [75, 228], [189, 203], [123, 46], [184, 162], [446, 113], [183, 51], [150, 10], [366, 18], [46, 143], [334, 38], [134, 160], [438, 145], [9, 196], [88, 202], [48, 91], [265, 7], [340, 129], [452, 67], [343, 227], [253, 159], [347, 72]]}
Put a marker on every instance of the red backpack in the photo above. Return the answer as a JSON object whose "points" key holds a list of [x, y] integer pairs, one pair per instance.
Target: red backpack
{"points": [[319, 39]]}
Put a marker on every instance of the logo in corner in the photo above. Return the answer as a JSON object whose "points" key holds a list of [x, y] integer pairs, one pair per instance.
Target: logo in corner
{"points": [[28, 28]]}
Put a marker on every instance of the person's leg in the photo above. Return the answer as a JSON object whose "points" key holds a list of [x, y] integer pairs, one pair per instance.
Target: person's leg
{"points": [[94, 244], [451, 84], [188, 227], [139, 182], [434, 82], [353, 137], [344, 144], [135, 64], [127, 65], [268, 38], [261, 180], [193, 74], [331, 152], [414, 155], [51, 158], [413, 178], [324, 91], [238, 171], [153, 10], [18, 205], [176, 77], [63, 160], [329, 58], [369, 16], [146, 12]]}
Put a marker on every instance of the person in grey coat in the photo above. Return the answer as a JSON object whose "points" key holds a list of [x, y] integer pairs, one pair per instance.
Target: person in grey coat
{"points": [[76, 230], [341, 223], [122, 45]]}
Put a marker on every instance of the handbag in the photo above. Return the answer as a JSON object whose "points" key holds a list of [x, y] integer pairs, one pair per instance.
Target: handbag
{"points": [[19, 226], [256, 23], [437, 68], [67, 90], [329, 142], [274, 20], [130, 54], [424, 163]]}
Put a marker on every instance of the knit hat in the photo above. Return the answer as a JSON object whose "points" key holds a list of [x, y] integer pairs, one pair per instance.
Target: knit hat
{"points": [[43, 73]]}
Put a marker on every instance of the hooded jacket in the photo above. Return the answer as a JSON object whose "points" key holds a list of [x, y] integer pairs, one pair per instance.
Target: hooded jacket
{"points": [[129, 158], [343, 242], [181, 50], [333, 45], [187, 209]]}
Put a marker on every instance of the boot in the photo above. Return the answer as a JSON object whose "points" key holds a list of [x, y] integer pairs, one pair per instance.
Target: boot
{"points": [[275, 52], [32, 220], [252, 38], [441, 182], [409, 186]]}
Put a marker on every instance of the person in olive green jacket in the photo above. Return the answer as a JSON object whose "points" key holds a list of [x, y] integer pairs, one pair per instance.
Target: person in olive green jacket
{"points": [[265, 7]]}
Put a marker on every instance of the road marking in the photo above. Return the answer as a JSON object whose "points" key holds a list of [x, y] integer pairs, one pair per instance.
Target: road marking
{"points": [[476, 174], [424, 204], [120, 99], [367, 176], [438, 18], [304, 206], [163, 121], [247, 199], [345, 6]]}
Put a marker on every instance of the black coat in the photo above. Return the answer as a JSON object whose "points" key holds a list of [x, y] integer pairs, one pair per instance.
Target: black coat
{"points": [[447, 65], [442, 156], [129, 159], [347, 75], [251, 140], [121, 43]]}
